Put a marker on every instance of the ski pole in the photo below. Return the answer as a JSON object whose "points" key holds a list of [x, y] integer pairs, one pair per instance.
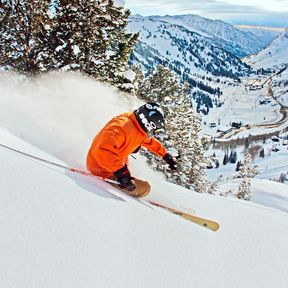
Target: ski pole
{"points": [[71, 169]]}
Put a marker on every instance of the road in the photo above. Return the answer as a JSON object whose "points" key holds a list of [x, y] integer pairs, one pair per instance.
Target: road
{"points": [[283, 110]]}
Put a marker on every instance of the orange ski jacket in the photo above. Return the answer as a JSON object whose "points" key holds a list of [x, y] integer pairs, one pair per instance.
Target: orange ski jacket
{"points": [[111, 147]]}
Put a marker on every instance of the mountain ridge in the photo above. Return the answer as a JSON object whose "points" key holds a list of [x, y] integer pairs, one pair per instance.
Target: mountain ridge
{"points": [[275, 55], [239, 42], [183, 50]]}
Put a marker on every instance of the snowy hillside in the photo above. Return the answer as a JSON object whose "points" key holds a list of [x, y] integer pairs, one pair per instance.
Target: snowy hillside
{"points": [[280, 85], [184, 51], [276, 54], [238, 42], [63, 230], [264, 34]]}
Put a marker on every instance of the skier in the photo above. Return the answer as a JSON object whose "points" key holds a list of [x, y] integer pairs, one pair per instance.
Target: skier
{"points": [[123, 135]]}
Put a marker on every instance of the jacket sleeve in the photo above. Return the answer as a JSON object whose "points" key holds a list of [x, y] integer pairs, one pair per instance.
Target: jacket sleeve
{"points": [[108, 155], [155, 147]]}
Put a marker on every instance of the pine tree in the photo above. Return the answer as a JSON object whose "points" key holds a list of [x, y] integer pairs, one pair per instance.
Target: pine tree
{"points": [[282, 178], [262, 153], [121, 43], [183, 127], [217, 164], [90, 36], [213, 186], [199, 161], [247, 143], [24, 31], [247, 171], [238, 165], [233, 157], [139, 77], [161, 86], [74, 34], [225, 159]]}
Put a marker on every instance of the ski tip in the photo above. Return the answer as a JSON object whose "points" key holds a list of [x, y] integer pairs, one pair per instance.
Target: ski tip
{"points": [[213, 226]]}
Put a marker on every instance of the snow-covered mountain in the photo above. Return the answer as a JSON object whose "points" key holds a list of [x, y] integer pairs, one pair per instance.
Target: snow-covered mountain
{"points": [[240, 43], [59, 229], [264, 34], [274, 55], [184, 51], [280, 86]]}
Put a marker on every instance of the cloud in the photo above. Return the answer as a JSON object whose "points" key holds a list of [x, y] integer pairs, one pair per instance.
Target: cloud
{"points": [[213, 9]]}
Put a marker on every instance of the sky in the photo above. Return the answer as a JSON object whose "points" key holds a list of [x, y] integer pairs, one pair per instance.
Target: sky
{"points": [[256, 12]]}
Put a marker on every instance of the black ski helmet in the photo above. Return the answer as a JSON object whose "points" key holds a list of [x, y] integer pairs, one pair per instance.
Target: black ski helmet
{"points": [[150, 117]]}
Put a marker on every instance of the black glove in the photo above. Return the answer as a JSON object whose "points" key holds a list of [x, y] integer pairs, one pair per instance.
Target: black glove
{"points": [[171, 161], [136, 150], [124, 178]]}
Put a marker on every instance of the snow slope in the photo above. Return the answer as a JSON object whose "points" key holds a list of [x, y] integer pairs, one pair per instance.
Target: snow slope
{"points": [[275, 54], [264, 34], [280, 87], [62, 230]]}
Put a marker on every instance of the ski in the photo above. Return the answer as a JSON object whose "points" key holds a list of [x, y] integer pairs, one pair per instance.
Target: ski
{"points": [[206, 223], [209, 224]]}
